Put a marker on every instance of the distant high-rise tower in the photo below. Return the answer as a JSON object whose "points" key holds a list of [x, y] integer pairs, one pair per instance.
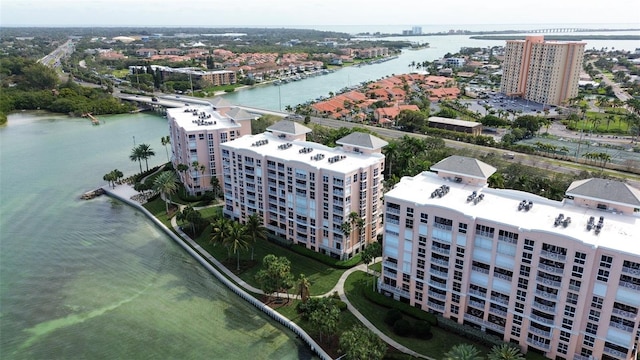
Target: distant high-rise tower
{"points": [[416, 30], [546, 72]]}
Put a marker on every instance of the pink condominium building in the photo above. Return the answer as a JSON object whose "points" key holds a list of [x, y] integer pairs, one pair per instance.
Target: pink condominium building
{"points": [[196, 133], [546, 72], [557, 277], [307, 192]]}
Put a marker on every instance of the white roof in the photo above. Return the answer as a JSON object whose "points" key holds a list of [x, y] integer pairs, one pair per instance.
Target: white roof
{"points": [[193, 118], [352, 161], [620, 232]]}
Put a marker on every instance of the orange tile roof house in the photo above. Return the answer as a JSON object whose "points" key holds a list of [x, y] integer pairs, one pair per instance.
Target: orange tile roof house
{"points": [[392, 112]]}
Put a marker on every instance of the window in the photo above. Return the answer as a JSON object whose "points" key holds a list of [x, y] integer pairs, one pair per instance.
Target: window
{"points": [[603, 275], [596, 302], [580, 258], [572, 298], [567, 324], [605, 261], [577, 271], [462, 228], [592, 328], [523, 283], [528, 244], [594, 315], [526, 258], [589, 340]]}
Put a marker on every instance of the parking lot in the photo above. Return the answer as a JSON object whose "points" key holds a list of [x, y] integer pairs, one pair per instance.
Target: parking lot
{"points": [[513, 105]]}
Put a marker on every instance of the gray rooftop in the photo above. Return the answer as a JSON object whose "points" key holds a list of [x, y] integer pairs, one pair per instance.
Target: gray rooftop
{"points": [[609, 190], [362, 140], [237, 113], [289, 127], [462, 165], [220, 102]]}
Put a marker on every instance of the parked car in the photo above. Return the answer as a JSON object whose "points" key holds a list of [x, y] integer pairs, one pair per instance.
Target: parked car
{"points": [[154, 99]]}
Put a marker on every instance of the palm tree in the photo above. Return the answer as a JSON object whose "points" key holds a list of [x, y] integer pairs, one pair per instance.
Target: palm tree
{"points": [[136, 155], [145, 153], [303, 288], [505, 352], [256, 230], [237, 240], [215, 186], [463, 352], [166, 183], [220, 232], [166, 140]]}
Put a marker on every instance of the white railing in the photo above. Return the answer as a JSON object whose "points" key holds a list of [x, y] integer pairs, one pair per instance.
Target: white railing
{"points": [[538, 344], [390, 265], [632, 271], [629, 285], [552, 255], [549, 268], [477, 293], [547, 295], [502, 276], [436, 295], [435, 306], [479, 269], [548, 281], [437, 284], [627, 314], [616, 353], [394, 290], [541, 332], [620, 326], [539, 306], [497, 311], [500, 300], [438, 273], [541, 319], [440, 250], [476, 304], [439, 262]]}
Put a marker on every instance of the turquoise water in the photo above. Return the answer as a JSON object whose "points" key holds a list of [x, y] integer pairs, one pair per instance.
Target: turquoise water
{"points": [[95, 279]]}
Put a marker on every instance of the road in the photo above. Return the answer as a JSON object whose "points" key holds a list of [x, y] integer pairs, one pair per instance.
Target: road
{"points": [[52, 60], [558, 166]]}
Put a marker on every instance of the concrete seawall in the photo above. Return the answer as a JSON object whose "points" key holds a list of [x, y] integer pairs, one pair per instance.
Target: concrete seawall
{"points": [[233, 287]]}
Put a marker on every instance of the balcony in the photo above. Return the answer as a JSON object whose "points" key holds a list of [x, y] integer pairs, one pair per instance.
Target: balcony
{"points": [[614, 352], [436, 295], [477, 293], [442, 251], [493, 326], [626, 314], [435, 306], [629, 285], [548, 282], [631, 271], [439, 273], [476, 304], [541, 319], [539, 344], [442, 286], [546, 295], [545, 308], [540, 332], [442, 226], [500, 300], [552, 255], [551, 269], [393, 211], [497, 311], [474, 319], [394, 290], [581, 357], [620, 326], [502, 276], [480, 270], [390, 274], [439, 262], [390, 265]]}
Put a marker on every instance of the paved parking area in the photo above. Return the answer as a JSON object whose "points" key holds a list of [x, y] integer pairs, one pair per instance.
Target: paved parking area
{"points": [[499, 101]]}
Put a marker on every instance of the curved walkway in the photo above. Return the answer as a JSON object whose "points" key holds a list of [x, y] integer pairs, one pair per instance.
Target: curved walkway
{"points": [[126, 191]]}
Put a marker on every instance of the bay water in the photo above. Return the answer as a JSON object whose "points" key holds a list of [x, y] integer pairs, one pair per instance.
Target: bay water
{"points": [[96, 279]]}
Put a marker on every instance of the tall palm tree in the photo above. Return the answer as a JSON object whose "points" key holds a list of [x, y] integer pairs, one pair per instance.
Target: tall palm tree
{"points": [[220, 232], [505, 352], [237, 240], [166, 140], [303, 287], [136, 155], [166, 183], [255, 229], [145, 153], [463, 352]]}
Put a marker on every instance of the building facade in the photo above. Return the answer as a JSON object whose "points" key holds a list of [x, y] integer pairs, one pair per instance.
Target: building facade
{"points": [[196, 133], [546, 72], [326, 199], [558, 278]]}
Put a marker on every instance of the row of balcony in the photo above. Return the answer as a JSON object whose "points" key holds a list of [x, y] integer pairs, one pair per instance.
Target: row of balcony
{"points": [[395, 290], [539, 344], [483, 322]]}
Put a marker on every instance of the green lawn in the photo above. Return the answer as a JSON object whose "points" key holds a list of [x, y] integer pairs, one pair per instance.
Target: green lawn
{"points": [[322, 277], [157, 207]]}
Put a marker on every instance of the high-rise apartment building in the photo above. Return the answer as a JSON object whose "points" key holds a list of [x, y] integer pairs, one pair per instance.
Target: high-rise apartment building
{"points": [[326, 199], [546, 72], [196, 133], [561, 278]]}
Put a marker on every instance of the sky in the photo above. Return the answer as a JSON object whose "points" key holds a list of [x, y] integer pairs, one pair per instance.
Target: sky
{"points": [[292, 13]]}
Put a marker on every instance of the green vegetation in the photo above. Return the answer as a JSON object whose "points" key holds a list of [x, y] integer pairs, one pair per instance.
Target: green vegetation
{"points": [[359, 283]]}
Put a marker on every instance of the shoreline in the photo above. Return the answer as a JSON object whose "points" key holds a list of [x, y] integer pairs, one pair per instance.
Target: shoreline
{"points": [[199, 255]]}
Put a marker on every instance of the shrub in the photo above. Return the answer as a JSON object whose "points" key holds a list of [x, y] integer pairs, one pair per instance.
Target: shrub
{"points": [[469, 332], [422, 329], [402, 327], [341, 305], [388, 302], [392, 317]]}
